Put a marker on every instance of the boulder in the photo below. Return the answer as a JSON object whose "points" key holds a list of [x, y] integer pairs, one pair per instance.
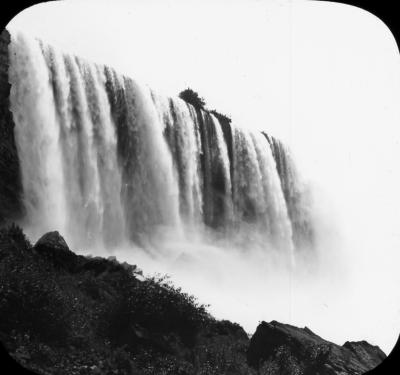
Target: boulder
{"points": [[52, 241], [53, 246]]}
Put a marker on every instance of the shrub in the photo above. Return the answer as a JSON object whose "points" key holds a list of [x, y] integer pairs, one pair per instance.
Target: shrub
{"points": [[31, 302], [157, 306], [193, 98]]}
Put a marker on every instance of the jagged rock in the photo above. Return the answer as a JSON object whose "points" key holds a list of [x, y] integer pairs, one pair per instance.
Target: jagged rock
{"points": [[278, 348], [366, 352]]}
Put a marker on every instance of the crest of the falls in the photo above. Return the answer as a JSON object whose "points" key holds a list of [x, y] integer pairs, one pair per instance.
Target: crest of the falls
{"points": [[106, 160]]}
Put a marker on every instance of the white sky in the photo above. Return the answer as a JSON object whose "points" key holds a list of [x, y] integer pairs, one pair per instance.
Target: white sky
{"points": [[325, 77]]}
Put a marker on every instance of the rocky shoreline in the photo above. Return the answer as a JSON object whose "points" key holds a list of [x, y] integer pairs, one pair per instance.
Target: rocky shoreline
{"points": [[64, 313]]}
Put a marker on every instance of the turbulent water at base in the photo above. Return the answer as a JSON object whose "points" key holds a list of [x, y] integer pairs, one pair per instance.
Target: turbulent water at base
{"points": [[106, 160]]}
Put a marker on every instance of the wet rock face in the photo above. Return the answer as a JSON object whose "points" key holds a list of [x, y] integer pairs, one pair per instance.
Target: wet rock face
{"points": [[278, 348], [10, 181]]}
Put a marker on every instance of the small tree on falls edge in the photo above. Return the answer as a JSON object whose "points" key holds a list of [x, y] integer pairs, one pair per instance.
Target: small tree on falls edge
{"points": [[193, 98]]}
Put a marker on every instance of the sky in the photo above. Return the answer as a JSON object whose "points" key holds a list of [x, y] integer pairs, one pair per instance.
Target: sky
{"points": [[323, 77]]}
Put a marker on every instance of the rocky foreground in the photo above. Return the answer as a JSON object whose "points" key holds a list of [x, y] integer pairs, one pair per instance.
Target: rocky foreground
{"points": [[62, 313]]}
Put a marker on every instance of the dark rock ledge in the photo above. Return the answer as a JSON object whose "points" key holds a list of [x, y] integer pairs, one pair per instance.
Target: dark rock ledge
{"points": [[62, 313]]}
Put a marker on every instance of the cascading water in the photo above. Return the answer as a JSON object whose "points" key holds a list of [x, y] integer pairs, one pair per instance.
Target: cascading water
{"points": [[37, 133], [107, 161], [296, 195]]}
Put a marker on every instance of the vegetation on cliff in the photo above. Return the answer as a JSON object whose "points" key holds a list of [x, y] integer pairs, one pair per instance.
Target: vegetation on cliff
{"points": [[69, 314], [63, 313], [192, 97]]}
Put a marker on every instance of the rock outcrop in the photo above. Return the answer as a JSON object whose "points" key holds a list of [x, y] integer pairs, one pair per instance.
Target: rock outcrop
{"points": [[365, 352], [285, 349], [62, 313], [52, 242]]}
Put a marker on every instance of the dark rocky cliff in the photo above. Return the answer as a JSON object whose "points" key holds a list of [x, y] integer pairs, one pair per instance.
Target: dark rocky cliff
{"points": [[10, 181], [67, 314], [284, 349]]}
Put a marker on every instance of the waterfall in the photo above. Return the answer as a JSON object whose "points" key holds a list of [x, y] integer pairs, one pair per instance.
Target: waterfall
{"points": [[37, 133], [297, 196], [106, 160]]}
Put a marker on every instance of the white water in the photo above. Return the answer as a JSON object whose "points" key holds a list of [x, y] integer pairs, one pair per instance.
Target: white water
{"points": [[37, 137], [107, 162]]}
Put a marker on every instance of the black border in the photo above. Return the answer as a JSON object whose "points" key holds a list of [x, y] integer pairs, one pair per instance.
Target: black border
{"points": [[385, 10]]}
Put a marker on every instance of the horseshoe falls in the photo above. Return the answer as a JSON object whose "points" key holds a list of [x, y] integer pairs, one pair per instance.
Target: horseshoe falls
{"points": [[108, 162]]}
